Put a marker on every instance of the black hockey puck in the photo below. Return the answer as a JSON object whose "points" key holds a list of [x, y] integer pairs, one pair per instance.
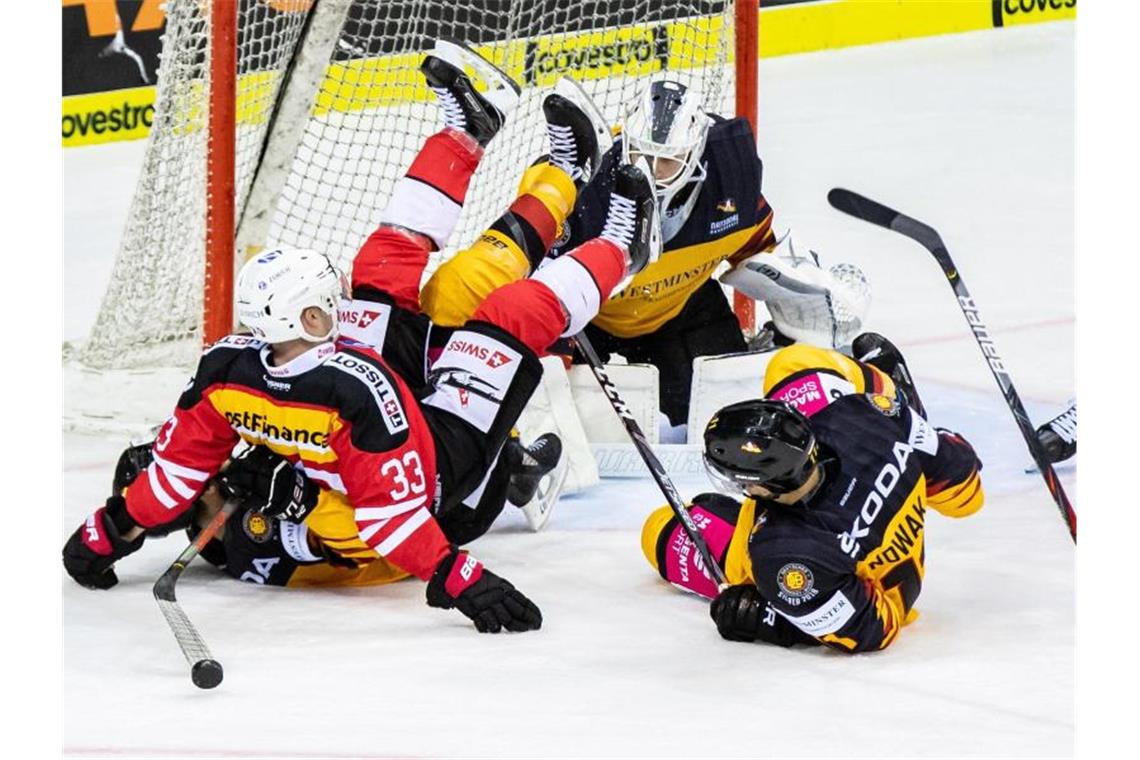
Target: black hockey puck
{"points": [[206, 674]]}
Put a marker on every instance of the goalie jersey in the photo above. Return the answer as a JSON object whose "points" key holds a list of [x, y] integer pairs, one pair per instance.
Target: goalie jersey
{"points": [[730, 221]]}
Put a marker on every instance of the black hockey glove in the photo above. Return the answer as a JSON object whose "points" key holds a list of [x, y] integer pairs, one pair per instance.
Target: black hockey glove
{"points": [[268, 483], [89, 555], [742, 614], [872, 348], [492, 603]]}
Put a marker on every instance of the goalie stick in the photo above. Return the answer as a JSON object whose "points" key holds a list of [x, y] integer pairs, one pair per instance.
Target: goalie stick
{"points": [[205, 671], [876, 213], [676, 503]]}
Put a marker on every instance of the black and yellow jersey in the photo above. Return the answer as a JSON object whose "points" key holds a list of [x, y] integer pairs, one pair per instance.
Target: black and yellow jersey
{"points": [[730, 221], [846, 566]]}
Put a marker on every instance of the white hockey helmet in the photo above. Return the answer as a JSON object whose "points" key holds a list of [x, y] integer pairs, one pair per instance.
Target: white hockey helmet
{"points": [[274, 287], [668, 125]]}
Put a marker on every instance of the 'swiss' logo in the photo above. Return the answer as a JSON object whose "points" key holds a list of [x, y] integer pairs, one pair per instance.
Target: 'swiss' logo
{"points": [[494, 360], [361, 318], [464, 397]]}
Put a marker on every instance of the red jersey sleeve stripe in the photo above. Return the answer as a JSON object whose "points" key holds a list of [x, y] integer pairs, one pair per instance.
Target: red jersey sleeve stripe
{"points": [[401, 534]]}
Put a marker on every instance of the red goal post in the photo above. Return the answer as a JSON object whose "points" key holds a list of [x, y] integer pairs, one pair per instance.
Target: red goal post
{"points": [[747, 46], [288, 121]]}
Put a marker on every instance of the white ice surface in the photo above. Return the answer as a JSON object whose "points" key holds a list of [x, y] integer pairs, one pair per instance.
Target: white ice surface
{"points": [[970, 133]]}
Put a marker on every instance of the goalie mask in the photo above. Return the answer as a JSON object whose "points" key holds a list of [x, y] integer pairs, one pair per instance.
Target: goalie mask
{"points": [[760, 443], [668, 126], [274, 288]]}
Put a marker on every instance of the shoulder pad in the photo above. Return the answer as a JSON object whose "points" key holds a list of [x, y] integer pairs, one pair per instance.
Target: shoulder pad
{"points": [[216, 362], [235, 342], [370, 391]]}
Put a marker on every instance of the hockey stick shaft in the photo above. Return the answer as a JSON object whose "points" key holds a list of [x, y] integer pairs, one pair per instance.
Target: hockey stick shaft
{"points": [[876, 213], [193, 647], [664, 482]]}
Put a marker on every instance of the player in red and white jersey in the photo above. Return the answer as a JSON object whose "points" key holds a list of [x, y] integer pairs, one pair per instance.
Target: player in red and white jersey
{"points": [[387, 461]]}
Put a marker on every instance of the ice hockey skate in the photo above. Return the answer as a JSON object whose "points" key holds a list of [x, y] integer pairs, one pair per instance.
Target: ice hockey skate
{"points": [[479, 114]]}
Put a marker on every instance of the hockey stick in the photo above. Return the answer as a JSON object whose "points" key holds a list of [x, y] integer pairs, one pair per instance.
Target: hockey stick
{"points": [[676, 503], [205, 671], [868, 210]]}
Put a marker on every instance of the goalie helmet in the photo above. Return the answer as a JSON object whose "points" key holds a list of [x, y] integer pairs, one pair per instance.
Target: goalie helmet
{"points": [[668, 125], [274, 288], [761, 442]]}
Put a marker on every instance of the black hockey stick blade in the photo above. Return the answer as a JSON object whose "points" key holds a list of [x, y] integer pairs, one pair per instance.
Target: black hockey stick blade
{"points": [[864, 208]]}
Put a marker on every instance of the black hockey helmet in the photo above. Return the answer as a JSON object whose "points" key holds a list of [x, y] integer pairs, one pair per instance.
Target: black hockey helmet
{"points": [[762, 442]]}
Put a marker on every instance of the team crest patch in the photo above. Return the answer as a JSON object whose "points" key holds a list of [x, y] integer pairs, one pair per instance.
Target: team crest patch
{"points": [[884, 404], [563, 237], [728, 206], [257, 526], [796, 583]]}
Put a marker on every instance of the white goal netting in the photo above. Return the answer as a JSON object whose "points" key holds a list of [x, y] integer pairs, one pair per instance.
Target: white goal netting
{"points": [[331, 108]]}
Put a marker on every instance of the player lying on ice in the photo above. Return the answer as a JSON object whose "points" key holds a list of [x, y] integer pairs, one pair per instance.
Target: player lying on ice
{"points": [[836, 467], [708, 189], [378, 466]]}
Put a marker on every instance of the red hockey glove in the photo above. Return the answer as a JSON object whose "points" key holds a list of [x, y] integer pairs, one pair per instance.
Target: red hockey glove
{"points": [[489, 601], [89, 555]]}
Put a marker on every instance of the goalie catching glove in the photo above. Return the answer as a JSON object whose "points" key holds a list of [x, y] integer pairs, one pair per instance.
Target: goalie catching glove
{"points": [[491, 602], [823, 307], [268, 483]]}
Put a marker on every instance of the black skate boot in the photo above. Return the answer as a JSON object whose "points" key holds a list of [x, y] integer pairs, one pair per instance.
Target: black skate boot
{"points": [[872, 348], [632, 221], [1058, 436], [528, 465], [480, 115], [576, 131]]}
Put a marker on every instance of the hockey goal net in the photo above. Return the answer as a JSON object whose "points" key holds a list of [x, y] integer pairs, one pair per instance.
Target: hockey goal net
{"points": [[299, 140]]}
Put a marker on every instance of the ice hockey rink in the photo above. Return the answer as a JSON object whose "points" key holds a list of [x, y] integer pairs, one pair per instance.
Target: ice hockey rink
{"points": [[971, 133]]}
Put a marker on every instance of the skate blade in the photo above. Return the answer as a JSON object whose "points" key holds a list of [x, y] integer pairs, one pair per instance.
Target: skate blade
{"points": [[539, 509], [569, 88], [499, 87]]}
